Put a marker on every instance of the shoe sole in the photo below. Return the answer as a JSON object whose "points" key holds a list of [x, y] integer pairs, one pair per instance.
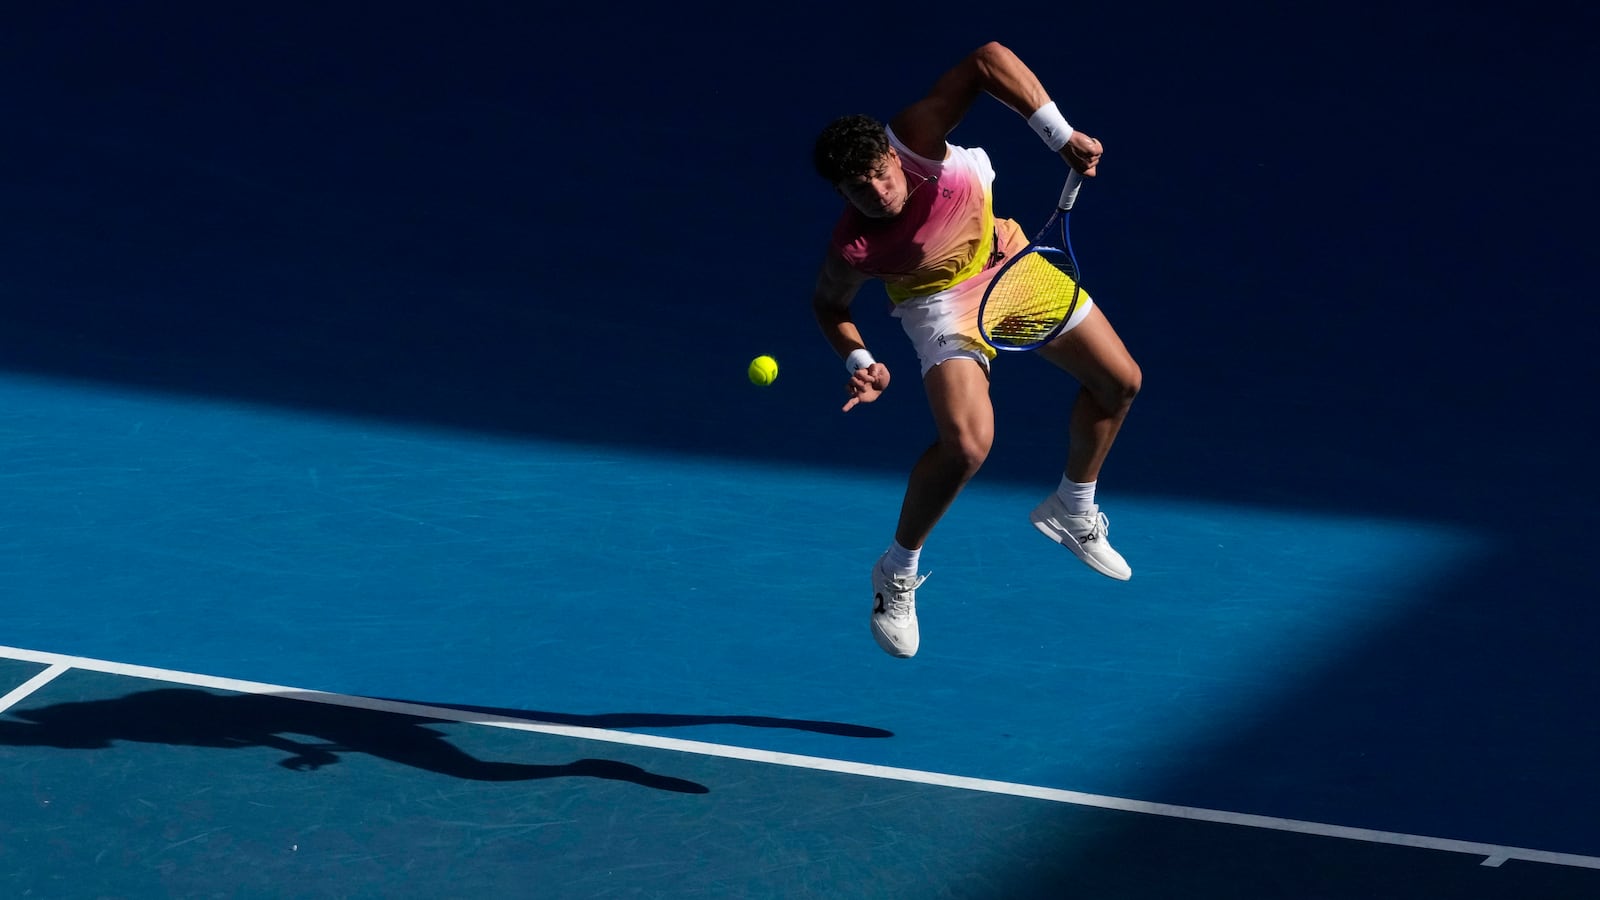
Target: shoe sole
{"points": [[1077, 550]]}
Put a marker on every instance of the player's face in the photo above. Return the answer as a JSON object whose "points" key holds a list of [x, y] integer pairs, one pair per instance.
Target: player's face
{"points": [[880, 194]]}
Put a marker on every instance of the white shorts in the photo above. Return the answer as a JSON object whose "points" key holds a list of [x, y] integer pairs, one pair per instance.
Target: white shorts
{"points": [[944, 326]]}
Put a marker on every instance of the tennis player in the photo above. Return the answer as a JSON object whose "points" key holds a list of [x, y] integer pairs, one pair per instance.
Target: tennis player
{"points": [[919, 218]]}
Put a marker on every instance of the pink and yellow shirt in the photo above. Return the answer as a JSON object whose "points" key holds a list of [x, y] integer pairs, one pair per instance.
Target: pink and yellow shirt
{"points": [[945, 234]]}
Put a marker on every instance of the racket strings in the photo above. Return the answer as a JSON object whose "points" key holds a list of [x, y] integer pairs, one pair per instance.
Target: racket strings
{"points": [[1030, 299]]}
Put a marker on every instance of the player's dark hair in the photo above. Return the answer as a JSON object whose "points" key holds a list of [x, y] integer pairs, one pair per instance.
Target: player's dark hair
{"points": [[850, 147]]}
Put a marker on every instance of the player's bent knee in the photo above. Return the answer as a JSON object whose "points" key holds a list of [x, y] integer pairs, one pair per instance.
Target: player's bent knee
{"points": [[967, 451], [1117, 393], [1132, 383]]}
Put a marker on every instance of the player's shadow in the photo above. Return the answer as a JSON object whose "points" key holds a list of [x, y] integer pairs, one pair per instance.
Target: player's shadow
{"points": [[664, 720], [197, 718]]}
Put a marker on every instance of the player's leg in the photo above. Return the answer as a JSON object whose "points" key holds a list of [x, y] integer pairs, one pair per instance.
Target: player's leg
{"points": [[1109, 379], [958, 394]]}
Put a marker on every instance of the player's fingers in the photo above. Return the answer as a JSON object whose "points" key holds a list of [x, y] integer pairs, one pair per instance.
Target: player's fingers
{"points": [[850, 404]]}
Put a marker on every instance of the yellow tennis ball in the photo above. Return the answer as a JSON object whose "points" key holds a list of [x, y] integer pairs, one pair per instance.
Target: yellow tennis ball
{"points": [[763, 370]]}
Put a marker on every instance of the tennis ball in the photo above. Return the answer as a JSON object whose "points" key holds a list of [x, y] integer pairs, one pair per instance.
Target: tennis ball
{"points": [[763, 370]]}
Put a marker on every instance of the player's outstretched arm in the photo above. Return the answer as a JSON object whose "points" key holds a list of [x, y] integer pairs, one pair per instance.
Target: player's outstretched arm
{"points": [[837, 285], [995, 70]]}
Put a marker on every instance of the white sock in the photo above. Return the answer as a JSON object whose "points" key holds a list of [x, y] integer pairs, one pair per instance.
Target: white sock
{"points": [[1079, 498], [897, 560]]}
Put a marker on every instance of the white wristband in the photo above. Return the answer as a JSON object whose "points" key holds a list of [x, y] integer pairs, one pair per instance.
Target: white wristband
{"points": [[857, 360], [1051, 126]]}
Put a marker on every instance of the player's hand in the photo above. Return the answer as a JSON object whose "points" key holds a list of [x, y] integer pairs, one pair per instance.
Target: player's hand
{"points": [[866, 384], [1082, 152]]}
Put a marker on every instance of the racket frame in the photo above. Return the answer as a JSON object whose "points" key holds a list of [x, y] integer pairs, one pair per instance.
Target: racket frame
{"points": [[1069, 196]]}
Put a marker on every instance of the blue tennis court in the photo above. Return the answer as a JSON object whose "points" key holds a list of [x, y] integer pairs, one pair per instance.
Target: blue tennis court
{"points": [[385, 511]]}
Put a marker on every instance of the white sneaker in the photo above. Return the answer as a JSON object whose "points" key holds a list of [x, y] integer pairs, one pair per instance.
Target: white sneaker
{"points": [[894, 612], [1084, 535]]}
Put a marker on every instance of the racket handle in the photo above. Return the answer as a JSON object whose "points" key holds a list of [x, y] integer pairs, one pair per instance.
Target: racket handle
{"points": [[1069, 194]]}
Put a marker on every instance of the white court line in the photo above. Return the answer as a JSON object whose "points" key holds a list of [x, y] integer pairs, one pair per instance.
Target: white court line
{"points": [[32, 684], [1493, 855]]}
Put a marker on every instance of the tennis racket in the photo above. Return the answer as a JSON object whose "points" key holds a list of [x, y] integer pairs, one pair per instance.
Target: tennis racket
{"points": [[1035, 292]]}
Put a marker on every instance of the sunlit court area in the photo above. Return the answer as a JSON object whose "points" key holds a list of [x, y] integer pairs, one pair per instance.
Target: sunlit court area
{"points": [[385, 509]]}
